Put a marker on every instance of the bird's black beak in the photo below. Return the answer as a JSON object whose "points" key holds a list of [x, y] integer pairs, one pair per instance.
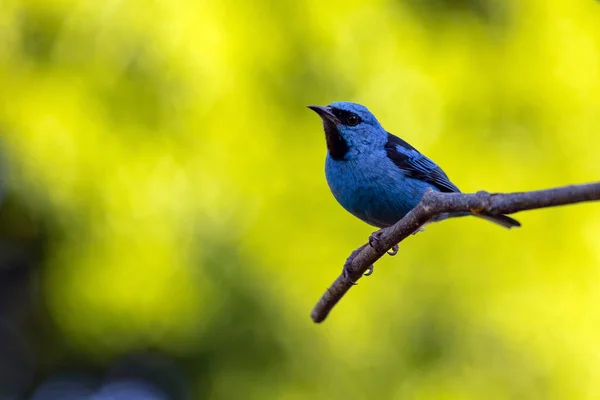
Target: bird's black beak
{"points": [[325, 113]]}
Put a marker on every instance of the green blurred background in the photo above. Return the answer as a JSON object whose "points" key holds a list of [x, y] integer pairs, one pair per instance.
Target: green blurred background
{"points": [[165, 195]]}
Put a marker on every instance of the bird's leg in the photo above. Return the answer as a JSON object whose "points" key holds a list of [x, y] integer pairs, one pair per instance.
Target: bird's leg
{"points": [[374, 243], [348, 263]]}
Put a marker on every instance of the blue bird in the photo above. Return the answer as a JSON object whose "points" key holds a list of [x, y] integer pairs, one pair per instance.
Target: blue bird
{"points": [[377, 176]]}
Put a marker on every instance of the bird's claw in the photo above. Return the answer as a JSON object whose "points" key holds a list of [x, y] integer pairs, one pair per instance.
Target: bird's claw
{"points": [[347, 273], [348, 263], [374, 243], [347, 276]]}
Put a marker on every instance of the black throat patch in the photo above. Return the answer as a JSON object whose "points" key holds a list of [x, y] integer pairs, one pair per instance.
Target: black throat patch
{"points": [[336, 145]]}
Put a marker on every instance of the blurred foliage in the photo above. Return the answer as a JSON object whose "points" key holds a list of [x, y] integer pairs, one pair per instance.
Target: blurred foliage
{"points": [[163, 193]]}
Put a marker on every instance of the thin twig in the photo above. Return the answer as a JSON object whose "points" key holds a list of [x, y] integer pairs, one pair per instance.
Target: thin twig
{"points": [[435, 203]]}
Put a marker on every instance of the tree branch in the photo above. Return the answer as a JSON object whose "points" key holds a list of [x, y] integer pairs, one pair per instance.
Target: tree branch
{"points": [[435, 203]]}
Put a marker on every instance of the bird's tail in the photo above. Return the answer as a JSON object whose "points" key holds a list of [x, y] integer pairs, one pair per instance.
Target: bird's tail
{"points": [[500, 219]]}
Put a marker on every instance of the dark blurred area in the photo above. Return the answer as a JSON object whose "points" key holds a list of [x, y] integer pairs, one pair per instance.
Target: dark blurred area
{"points": [[37, 363]]}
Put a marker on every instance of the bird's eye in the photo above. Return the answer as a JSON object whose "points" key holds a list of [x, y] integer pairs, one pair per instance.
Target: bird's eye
{"points": [[347, 118], [353, 120]]}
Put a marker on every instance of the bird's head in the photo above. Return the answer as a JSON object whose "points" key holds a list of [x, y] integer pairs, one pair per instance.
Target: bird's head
{"points": [[350, 129]]}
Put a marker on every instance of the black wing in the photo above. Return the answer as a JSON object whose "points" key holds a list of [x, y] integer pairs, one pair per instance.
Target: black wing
{"points": [[416, 165]]}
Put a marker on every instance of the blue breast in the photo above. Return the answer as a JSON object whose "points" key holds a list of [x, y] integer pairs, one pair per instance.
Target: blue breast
{"points": [[373, 189]]}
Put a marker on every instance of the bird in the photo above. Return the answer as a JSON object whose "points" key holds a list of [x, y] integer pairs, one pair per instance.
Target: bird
{"points": [[378, 177]]}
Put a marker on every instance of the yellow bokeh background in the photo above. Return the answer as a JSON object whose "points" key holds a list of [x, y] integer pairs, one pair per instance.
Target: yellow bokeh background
{"points": [[169, 145]]}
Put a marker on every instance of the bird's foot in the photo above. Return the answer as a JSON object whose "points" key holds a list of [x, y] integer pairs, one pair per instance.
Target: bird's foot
{"points": [[376, 244], [346, 270], [347, 273]]}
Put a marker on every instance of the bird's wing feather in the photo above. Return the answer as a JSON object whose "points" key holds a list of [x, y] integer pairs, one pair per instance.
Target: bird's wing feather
{"points": [[416, 165]]}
